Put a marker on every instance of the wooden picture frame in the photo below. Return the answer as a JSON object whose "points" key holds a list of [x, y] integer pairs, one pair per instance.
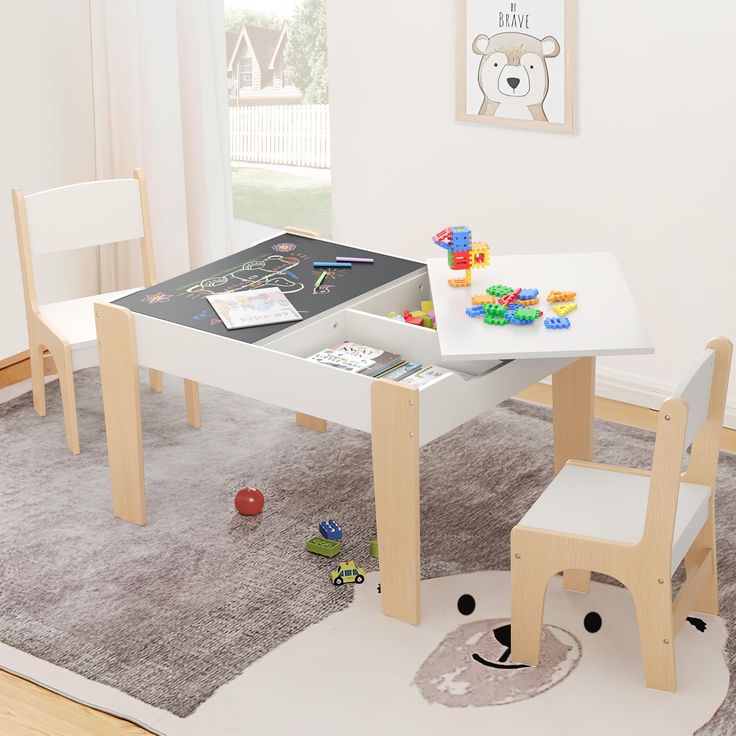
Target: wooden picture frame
{"points": [[544, 106]]}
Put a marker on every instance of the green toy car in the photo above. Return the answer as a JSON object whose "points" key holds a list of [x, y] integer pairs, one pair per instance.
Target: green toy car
{"points": [[322, 546], [347, 572]]}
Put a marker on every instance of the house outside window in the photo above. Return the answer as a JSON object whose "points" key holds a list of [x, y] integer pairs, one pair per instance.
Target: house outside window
{"points": [[279, 114]]}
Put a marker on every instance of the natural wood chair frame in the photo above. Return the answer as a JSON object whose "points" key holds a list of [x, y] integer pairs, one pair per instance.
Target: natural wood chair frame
{"points": [[42, 336], [644, 568]]}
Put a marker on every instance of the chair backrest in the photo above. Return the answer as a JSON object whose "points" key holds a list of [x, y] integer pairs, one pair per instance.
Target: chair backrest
{"points": [[693, 416], [695, 391], [84, 215], [81, 216]]}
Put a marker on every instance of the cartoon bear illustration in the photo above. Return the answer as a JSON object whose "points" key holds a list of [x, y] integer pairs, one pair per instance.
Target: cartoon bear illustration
{"points": [[513, 74]]}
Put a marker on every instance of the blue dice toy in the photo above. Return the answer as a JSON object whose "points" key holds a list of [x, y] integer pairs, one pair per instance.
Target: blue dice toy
{"points": [[330, 529]]}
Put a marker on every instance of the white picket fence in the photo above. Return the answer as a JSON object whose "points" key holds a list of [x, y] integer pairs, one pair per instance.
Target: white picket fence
{"points": [[296, 135]]}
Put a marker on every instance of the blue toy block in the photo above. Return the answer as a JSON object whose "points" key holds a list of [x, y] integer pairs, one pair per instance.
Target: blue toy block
{"points": [[557, 323], [513, 307], [330, 529], [476, 311], [515, 321], [526, 294]]}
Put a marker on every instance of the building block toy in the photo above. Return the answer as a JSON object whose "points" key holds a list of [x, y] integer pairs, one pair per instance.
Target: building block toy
{"points": [[374, 548], [527, 294], [506, 300], [418, 321], [494, 310], [426, 307], [347, 572], [476, 311], [557, 323], [323, 547], [462, 253], [561, 296], [498, 290], [482, 299], [523, 316], [526, 302], [496, 321], [330, 529], [562, 310]]}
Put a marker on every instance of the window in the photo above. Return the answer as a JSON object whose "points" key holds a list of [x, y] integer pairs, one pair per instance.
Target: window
{"points": [[279, 120], [245, 72]]}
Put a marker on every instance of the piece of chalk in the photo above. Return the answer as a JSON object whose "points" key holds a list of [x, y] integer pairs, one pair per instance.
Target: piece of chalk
{"points": [[350, 259], [320, 280], [329, 264]]}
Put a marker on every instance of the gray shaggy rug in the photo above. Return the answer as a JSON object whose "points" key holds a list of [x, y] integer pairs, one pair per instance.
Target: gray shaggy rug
{"points": [[169, 612]]}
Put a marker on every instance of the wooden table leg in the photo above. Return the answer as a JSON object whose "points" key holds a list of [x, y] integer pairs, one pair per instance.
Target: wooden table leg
{"points": [[309, 422], [121, 399], [573, 396], [395, 438]]}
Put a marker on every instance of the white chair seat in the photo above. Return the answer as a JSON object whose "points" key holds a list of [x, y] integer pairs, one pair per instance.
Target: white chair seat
{"points": [[610, 505], [74, 319]]}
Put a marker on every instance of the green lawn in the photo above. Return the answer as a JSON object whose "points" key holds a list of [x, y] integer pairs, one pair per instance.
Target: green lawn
{"points": [[278, 198]]}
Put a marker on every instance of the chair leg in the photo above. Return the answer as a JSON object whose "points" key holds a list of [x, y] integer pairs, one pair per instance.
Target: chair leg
{"points": [[577, 580], [37, 380], [656, 633], [528, 590], [156, 380], [68, 399], [707, 600], [191, 396]]}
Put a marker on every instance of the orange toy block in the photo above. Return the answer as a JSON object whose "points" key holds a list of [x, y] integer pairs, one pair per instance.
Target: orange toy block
{"points": [[526, 302], [561, 296], [477, 299]]}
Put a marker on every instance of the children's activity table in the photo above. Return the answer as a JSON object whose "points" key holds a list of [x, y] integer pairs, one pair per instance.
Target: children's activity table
{"points": [[171, 327]]}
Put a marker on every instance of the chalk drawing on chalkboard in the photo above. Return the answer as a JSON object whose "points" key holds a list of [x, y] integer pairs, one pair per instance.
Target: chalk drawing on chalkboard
{"points": [[257, 273], [284, 247], [156, 298]]}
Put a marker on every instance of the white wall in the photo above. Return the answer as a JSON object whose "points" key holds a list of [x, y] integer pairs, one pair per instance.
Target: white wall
{"points": [[46, 140], [649, 173]]}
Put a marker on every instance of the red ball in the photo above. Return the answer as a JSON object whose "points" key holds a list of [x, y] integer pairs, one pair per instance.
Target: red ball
{"points": [[249, 501]]}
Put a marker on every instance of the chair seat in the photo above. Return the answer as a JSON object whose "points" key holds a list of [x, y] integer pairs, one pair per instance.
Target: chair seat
{"points": [[74, 319], [611, 505]]}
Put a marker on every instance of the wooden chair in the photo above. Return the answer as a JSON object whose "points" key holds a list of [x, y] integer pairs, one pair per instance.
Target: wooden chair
{"points": [[80, 216], [634, 525]]}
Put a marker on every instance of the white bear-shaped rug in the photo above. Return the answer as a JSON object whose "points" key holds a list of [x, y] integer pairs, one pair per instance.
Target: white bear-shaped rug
{"points": [[361, 673]]}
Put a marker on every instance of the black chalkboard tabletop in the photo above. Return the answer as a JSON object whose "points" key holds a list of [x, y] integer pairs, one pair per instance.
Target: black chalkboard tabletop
{"points": [[284, 261]]}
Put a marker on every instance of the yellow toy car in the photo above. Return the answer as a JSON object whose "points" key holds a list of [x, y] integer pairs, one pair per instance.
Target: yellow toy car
{"points": [[347, 572]]}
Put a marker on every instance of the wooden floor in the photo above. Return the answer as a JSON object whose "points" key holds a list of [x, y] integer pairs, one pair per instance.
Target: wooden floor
{"points": [[29, 710]]}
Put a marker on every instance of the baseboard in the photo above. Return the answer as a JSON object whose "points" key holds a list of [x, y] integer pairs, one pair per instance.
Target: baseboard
{"points": [[630, 388]]}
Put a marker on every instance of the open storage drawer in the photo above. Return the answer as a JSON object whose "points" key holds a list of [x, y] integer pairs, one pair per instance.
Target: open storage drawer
{"points": [[277, 371]]}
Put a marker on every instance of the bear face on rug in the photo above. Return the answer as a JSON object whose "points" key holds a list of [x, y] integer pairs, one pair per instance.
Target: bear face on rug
{"points": [[452, 673]]}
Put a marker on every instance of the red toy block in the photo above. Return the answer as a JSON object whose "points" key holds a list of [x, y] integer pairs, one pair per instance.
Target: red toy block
{"points": [[460, 259], [506, 300], [418, 321]]}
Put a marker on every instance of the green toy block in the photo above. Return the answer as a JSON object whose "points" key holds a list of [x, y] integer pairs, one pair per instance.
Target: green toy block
{"points": [[494, 310], [391, 315], [497, 321], [527, 314], [320, 546], [374, 548], [498, 290], [427, 322]]}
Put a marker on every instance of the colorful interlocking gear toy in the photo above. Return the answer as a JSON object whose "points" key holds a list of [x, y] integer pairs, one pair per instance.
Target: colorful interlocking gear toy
{"points": [[561, 296], [524, 316], [557, 323], [498, 290], [509, 298], [475, 311], [494, 310], [462, 253], [563, 310], [482, 299], [527, 294], [496, 321]]}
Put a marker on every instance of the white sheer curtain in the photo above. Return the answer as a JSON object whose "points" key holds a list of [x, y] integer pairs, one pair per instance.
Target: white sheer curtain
{"points": [[161, 104]]}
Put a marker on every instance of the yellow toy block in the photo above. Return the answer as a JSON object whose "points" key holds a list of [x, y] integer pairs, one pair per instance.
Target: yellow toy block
{"points": [[564, 309], [478, 255], [426, 307], [419, 313], [477, 299], [561, 296]]}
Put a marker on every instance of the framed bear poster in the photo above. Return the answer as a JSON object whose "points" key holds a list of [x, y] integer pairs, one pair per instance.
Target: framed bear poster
{"points": [[515, 63]]}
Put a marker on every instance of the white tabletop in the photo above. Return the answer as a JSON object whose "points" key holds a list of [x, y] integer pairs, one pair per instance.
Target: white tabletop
{"points": [[606, 322]]}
